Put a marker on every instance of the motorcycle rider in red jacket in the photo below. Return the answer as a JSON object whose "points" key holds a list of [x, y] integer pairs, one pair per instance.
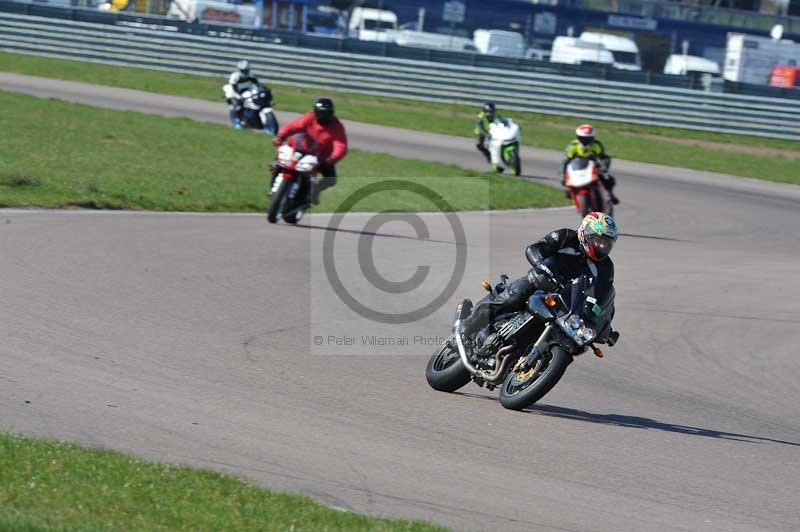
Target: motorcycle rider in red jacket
{"points": [[329, 135]]}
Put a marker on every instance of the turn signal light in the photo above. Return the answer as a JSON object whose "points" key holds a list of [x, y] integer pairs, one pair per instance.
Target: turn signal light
{"points": [[550, 301], [486, 286]]}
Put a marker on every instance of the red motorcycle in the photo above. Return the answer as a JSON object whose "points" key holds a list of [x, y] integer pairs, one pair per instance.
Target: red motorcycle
{"points": [[582, 178], [293, 179]]}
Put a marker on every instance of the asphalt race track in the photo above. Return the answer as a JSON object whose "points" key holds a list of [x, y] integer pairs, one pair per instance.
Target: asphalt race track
{"points": [[212, 340]]}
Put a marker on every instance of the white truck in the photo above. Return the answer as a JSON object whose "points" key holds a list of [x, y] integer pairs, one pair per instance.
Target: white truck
{"points": [[750, 58], [624, 50], [369, 24], [435, 41], [681, 65], [499, 42], [574, 51], [219, 12]]}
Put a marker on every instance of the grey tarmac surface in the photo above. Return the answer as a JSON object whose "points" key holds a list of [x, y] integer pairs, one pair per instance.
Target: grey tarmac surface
{"points": [[191, 338]]}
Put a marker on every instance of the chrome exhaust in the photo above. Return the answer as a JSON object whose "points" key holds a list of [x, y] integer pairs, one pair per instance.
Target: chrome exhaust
{"points": [[492, 377], [462, 351]]}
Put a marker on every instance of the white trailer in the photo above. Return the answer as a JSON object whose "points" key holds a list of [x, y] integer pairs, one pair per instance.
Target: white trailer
{"points": [[749, 58]]}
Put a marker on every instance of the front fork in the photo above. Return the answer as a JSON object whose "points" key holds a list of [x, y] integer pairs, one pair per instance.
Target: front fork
{"points": [[536, 352]]}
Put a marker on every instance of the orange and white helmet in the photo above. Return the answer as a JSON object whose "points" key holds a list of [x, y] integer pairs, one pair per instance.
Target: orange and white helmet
{"points": [[585, 134]]}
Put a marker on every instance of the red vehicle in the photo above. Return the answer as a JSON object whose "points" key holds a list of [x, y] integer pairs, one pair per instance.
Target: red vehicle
{"points": [[296, 162], [784, 76], [587, 191]]}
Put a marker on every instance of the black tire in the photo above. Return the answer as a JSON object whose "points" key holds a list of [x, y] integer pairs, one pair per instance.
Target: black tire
{"points": [[289, 212], [445, 371], [583, 203], [514, 161], [272, 126], [292, 218], [598, 201], [276, 202], [516, 394]]}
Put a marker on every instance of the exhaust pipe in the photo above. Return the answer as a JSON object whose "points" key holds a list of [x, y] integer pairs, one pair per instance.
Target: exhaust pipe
{"points": [[492, 377], [462, 351]]}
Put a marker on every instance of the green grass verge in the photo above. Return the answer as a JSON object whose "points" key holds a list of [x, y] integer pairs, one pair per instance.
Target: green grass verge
{"points": [[746, 156], [63, 154], [48, 486]]}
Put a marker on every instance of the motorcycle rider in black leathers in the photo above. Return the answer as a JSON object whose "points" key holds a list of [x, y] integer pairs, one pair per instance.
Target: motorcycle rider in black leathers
{"points": [[561, 255]]}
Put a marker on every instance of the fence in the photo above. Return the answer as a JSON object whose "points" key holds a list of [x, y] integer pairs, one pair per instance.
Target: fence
{"points": [[138, 44]]}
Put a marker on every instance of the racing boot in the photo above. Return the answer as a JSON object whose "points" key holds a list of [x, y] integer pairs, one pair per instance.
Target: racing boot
{"points": [[315, 192]]}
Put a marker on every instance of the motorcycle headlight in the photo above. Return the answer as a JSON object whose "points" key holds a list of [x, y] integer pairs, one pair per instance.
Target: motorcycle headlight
{"points": [[304, 167], [576, 329], [586, 334]]}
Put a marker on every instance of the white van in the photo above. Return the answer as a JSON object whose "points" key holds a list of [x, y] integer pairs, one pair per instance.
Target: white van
{"points": [[625, 51], [499, 42], [369, 24], [681, 65], [436, 41], [574, 51], [214, 12]]}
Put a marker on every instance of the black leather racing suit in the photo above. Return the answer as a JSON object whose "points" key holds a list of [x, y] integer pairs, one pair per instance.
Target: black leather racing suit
{"points": [[562, 252]]}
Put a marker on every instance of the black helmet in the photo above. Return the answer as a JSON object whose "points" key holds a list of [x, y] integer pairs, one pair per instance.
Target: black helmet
{"points": [[243, 66], [489, 109], [324, 110]]}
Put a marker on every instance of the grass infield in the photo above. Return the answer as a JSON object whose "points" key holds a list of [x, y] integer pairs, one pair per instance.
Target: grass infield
{"points": [[775, 160], [70, 155], [48, 486]]}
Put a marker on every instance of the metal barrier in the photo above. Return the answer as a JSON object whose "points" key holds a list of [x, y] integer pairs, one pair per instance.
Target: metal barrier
{"points": [[136, 44], [317, 42]]}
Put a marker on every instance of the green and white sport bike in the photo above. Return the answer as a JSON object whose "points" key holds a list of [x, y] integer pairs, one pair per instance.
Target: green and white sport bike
{"points": [[504, 135]]}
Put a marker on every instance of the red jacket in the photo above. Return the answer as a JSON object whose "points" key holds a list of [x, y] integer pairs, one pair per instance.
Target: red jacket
{"points": [[331, 139]]}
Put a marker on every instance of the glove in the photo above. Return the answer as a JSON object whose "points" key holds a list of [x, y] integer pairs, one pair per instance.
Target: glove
{"points": [[541, 279], [277, 141]]}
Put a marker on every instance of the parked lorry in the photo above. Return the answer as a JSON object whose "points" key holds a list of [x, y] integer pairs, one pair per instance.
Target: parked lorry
{"points": [[436, 41], [213, 11], [682, 65], [574, 51], [624, 50], [369, 24], [750, 58], [499, 42]]}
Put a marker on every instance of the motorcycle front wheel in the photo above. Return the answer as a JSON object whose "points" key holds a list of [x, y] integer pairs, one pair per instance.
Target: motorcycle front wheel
{"points": [[521, 389], [514, 160], [271, 127], [277, 202], [517, 163], [445, 371]]}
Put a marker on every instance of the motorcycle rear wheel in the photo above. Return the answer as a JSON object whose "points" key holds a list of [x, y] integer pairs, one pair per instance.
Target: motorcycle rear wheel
{"points": [[522, 389], [445, 371]]}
